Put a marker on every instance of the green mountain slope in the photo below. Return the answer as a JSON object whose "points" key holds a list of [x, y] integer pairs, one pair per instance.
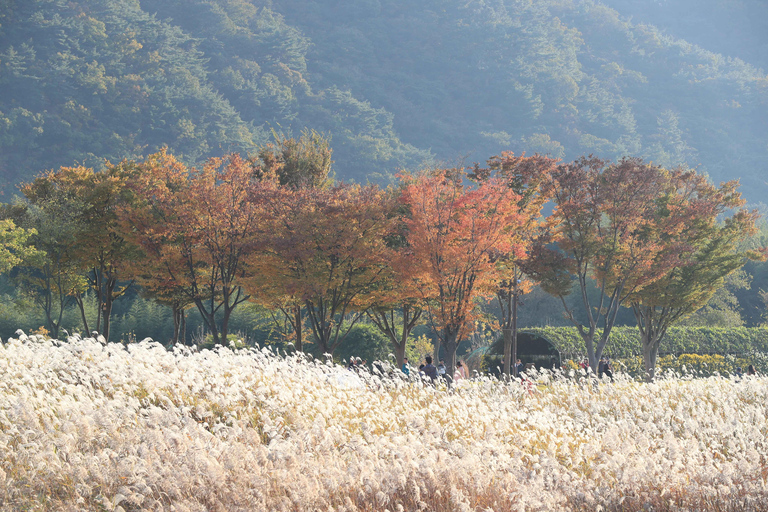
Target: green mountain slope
{"points": [[84, 81], [395, 83], [556, 76]]}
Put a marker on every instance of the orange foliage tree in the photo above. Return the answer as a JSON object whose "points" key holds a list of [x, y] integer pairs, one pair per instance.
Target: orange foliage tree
{"points": [[198, 228], [156, 188], [453, 233], [290, 165], [527, 177], [398, 304], [325, 247]]}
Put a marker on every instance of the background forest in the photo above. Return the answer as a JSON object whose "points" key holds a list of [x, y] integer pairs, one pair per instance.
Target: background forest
{"points": [[394, 85]]}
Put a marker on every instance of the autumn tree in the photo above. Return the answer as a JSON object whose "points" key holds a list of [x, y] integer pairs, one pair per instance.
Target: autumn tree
{"points": [[527, 177], [700, 249], [157, 188], [291, 164], [326, 249], [606, 230], [276, 272], [398, 304], [200, 226], [453, 233]]}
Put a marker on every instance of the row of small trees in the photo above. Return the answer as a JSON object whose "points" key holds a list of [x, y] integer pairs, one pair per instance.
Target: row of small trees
{"points": [[276, 229]]}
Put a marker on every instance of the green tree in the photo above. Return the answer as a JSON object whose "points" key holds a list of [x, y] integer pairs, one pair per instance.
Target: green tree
{"points": [[14, 246], [52, 278], [302, 163]]}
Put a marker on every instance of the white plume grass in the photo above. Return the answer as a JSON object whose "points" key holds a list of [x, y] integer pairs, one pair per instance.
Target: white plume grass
{"points": [[91, 426]]}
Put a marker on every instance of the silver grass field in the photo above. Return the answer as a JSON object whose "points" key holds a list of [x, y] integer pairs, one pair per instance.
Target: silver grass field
{"points": [[88, 426]]}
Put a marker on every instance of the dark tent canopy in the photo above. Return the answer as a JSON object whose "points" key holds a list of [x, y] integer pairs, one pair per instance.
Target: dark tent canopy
{"points": [[531, 348]]}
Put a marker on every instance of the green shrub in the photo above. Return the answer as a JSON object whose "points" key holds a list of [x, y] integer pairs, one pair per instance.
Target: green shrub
{"points": [[625, 341], [696, 365], [365, 341]]}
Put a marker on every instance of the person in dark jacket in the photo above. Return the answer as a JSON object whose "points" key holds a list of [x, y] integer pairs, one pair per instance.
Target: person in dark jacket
{"points": [[429, 369]]}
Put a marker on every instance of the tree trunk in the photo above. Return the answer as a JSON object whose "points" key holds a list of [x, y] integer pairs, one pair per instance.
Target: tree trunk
{"points": [[177, 312], [400, 352], [436, 351], [506, 361], [591, 356], [650, 354], [297, 328], [513, 317], [107, 307], [208, 320], [450, 344], [183, 329], [81, 306], [175, 335], [96, 284]]}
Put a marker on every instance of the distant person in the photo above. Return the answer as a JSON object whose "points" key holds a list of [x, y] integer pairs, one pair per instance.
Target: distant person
{"points": [[525, 377], [751, 370], [441, 369], [601, 367], [519, 367], [460, 372], [738, 372], [607, 370], [405, 368], [429, 369]]}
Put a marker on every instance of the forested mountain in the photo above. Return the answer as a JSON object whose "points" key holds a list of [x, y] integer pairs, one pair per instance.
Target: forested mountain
{"points": [[395, 83], [735, 28]]}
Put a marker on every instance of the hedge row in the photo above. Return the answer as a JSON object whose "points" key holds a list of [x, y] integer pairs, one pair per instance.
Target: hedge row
{"points": [[694, 365], [625, 341]]}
